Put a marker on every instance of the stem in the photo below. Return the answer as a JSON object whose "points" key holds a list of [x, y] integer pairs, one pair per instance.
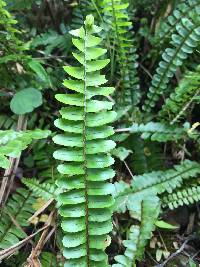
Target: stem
{"points": [[84, 153]]}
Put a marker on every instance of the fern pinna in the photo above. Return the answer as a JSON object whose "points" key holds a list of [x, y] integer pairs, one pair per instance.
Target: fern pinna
{"points": [[86, 203]]}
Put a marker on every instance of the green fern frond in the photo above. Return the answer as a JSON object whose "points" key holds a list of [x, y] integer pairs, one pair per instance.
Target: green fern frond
{"points": [[118, 27], [86, 205], [186, 196], [44, 190], [19, 209], [51, 40], [184, 43], [41, 159], [7, 122], [12, 143], [161, 132], [139, 234], [153, 183], [168, 27], [179, 101]]}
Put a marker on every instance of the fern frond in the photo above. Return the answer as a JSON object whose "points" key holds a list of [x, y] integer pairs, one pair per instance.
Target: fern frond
{"points": [[184, 43], [41, 159], [186, 196], [13, 142], [86, 205], [7, 122], [179, 101], [43, 190], [118, 26], [19, 209], [161, 132], [168, 26], [154, 183], [51, 40], [139, 234]]}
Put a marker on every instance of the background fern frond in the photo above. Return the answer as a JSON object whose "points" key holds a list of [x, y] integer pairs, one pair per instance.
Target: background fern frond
{"points": [[181, 99], [18, 209], [115, 15], [180, 197], [13, 142], [139, 234], [183, 43], [43, 190], [7, 122], [160, 132], [154, 183], [168, 26]]}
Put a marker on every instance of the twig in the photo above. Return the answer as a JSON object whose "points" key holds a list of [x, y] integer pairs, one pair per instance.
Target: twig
{"points": [[146, 70], [122, 130], [33, 260], [14, 221], [11, 250], [41, 209], [129, 170], [184, 108], [161, 238], [5, 179], [174, 254]]}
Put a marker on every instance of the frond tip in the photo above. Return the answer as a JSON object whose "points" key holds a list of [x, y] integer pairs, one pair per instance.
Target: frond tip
{"points": [[86, 203]]}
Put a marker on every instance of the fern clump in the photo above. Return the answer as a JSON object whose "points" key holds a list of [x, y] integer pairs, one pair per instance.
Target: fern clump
{"points": [[183, 44], [86, 203]]}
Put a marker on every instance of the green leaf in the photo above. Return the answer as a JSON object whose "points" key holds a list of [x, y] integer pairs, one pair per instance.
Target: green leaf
{"points": [[12, 143], [121, 152], [26, 101], [164, 225], [37, 67]]}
